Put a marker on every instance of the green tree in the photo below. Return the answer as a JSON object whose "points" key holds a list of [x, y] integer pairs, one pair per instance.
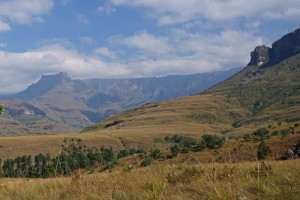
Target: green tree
{"points": [[263, 151], [212, 141], [1, 109]]}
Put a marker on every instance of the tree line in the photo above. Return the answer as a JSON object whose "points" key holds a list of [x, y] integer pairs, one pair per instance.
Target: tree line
{"points": [[70, 158]]}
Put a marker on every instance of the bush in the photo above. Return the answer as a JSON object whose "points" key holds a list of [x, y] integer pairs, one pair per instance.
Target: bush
{"points": [[175, 150], [156, 153], [275, 133], [284, 132], [212, 141], [263, 151], [261, 134], [1, 109], [147, 161], [182, 140], [247, 138]]}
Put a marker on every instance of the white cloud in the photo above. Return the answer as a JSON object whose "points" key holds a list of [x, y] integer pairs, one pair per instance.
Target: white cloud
{"points": [[25, 11], [147, 42], [82, 19], [188, 53], [106, 9], [4, 26], [177, 11], [103, 51], [194, 53], [21, 69]]}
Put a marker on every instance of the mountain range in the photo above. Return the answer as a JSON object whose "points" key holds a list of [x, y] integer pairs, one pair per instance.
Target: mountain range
{"points": [[59, 104], [264, 93]]}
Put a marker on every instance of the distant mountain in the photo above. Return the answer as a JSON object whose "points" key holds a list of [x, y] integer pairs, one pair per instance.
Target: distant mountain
{"points": [[265, 92], [80, 103], [22, 118]]}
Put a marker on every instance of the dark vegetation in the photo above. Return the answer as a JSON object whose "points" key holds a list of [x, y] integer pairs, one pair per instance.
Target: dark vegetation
{"points": [[74, 155], [185, 144], [114, 123], [1, 109]]}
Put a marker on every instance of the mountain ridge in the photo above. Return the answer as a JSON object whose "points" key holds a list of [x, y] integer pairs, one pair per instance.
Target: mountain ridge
{"points": [[262, 93], [80, 103]]}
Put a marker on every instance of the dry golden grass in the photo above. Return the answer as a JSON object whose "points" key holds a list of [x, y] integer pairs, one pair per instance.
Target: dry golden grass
{"points": [[11, 147], [150, 137], [274, 180]]}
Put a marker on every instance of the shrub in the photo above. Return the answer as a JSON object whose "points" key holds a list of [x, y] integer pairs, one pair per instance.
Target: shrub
{"points": [[284, 132], [261, 134], [212, 141], [279, 123], [175, 150], [247, 138], [147, 161], [156, 153], [275, 133], [1, 109], [263, 151]]}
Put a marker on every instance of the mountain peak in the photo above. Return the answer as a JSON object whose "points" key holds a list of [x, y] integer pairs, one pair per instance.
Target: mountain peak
{"points": [[287, 46], [57, 77], [44, 85]]}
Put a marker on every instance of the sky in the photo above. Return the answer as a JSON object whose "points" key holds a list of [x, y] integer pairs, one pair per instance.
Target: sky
{"points": [[134, 38]]}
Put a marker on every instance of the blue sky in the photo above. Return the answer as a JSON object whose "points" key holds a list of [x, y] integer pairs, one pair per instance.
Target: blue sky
{"points": [[134, 38]]}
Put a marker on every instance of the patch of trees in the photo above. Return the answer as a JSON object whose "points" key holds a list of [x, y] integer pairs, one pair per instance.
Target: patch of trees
{"points": [[262, 134], [72, 157], [185, 144]]}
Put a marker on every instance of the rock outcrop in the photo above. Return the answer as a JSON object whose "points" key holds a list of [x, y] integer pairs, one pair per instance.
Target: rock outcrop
{"points": [[287, 46], [292, 152], [260, 55]]}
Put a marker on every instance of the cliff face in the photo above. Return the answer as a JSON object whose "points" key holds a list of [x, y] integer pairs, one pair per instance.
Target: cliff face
{"points": [[283, 48], [287, 46], [260, 55]]}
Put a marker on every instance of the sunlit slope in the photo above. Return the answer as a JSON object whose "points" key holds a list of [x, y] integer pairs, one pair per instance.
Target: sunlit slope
{"points": [[256, 95]]}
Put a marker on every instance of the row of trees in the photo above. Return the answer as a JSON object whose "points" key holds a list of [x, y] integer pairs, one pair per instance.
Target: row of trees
{"points": [[71, 157]]}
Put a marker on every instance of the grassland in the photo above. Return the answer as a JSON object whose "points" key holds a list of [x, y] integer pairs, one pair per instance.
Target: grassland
{"points": [[11, 147], [249, 180]]}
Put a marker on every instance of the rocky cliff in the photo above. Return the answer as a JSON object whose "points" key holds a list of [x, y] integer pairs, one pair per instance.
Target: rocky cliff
{"points": [[283, 48]]}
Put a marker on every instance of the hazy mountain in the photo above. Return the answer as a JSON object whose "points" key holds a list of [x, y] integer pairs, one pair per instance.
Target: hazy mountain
{"points": [[265, 92], [80, 103]]}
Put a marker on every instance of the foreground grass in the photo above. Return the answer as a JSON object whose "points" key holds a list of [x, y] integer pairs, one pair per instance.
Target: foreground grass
{"points": [[249, 180]]}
